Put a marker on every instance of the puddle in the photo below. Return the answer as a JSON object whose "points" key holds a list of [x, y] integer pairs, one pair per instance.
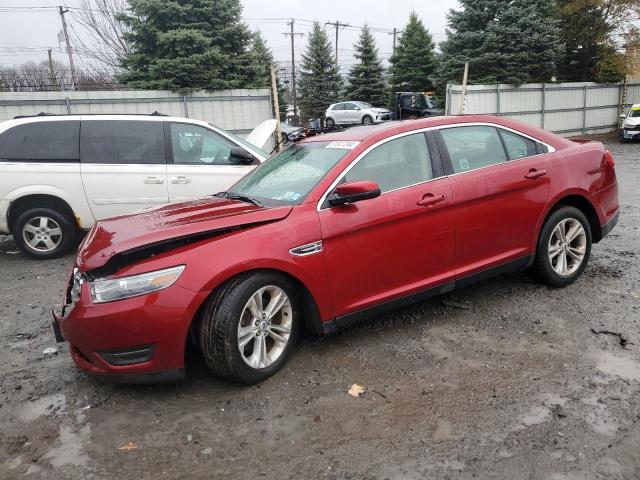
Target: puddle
{"points": [[43, 406], [618, 366], [70, 448]]}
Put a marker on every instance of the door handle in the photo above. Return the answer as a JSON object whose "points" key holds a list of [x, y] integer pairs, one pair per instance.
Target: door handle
{"points": [[154, 179], [430, 199], [533, 174], [181, 179]]}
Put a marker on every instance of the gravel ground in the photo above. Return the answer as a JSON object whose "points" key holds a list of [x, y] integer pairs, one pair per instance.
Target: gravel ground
{"points": [[504, 379]]}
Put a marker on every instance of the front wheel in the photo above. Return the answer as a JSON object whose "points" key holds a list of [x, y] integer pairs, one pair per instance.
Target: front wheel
{"points": [[563, 248], [250, 327], [367, 120], [44, 233]]}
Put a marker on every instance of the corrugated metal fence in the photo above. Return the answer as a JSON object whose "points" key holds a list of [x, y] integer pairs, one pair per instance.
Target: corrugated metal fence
{"points": [[238, 111], [564, 108]]}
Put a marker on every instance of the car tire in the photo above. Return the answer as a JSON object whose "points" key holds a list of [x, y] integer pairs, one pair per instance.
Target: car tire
{"points": [[329, 122], [44, 233], [367, 120], [234, 330], [560, 260]]}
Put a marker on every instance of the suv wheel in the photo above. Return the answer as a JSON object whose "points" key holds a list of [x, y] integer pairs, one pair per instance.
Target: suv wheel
{"points": [[563, 248], [250, 326], [44, 233], [367, 120], [330, 122]]}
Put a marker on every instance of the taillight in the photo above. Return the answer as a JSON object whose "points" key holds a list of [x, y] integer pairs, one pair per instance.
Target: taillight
{"points": [[607, 160]]}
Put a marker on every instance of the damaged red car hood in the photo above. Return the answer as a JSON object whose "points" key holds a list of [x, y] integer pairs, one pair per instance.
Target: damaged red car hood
{"points": [[127, 233]]}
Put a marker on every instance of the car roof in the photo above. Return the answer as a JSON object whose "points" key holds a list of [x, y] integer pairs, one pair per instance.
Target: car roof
{"points": [[377, 132]]}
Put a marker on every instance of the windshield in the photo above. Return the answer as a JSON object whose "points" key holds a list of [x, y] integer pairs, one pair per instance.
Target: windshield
{"points": [[363, 104], [634, 112], [242, 141], [289, 176]]}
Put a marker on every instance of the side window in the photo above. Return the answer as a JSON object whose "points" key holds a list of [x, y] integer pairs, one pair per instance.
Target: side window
{"points": [[338, 106], [349, 106], [192, 144], [518, 146], [473, 147], [56, 141], [395, 164], [122, 142]]}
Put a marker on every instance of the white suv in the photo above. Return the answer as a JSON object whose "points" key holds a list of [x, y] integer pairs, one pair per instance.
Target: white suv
{"points": [[59, 174], [352, 113]]}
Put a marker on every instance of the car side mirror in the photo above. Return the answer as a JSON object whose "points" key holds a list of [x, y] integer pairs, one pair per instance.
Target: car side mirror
{"points": [[623, 116], [354, 192], [240, 155], [357, 108]]}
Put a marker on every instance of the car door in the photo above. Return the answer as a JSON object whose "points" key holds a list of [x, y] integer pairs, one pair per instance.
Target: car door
{"points": [[351, 113], [200, 162], [500, 188], [398, 243], [123, 165], [338, 113]]}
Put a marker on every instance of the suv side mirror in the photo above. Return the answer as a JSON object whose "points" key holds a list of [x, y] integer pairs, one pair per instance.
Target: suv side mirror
{"points": [[354, 192], [240, 155]]}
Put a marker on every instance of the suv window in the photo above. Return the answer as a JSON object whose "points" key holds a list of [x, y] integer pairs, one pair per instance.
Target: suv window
{"points": [[42, 141], [518, 146], [395, 164], [122, 141], [350, 106], [198, 145], [473, 147], [338, 106]]}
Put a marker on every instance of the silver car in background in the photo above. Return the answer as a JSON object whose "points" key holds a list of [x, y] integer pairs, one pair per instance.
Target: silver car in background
{"points": [[352, 113]]}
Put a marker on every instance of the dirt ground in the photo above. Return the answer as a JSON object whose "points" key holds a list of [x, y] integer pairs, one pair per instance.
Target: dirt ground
{"points": [[504, 379]]}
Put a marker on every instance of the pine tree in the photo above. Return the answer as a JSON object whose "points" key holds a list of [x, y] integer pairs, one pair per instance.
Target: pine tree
{"points": [[320, 83], [185, 45], [413, 65], [505, 41], [262, 57], [366, 81]]}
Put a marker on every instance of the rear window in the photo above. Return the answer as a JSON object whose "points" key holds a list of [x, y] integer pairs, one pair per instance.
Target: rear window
{"points": [[41, 141], [122, 141]]}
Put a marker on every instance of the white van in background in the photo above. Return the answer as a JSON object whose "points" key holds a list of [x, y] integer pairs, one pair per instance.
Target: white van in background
{"points": [[61, 173]]}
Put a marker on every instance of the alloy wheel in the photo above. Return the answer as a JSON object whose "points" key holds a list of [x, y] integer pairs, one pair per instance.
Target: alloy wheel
{"points": [[265, 326], [567, 246], [42, 234]]}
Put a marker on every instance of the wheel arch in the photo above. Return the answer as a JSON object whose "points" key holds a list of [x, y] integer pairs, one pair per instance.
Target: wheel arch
{"points": [[582, 203], [311, 313], [38, 200]]}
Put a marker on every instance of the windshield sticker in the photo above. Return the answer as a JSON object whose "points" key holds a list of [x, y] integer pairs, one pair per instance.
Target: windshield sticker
{"points": [[464, 164], [635, 108], [291, 196], [347, 145]]}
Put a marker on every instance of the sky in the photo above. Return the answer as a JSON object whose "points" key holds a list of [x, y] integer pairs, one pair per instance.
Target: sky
{"points": [[26, 32]]}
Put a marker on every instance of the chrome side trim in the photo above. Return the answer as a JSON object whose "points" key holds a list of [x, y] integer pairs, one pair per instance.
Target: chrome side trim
{"points": [[307, 249], [422, 130]]}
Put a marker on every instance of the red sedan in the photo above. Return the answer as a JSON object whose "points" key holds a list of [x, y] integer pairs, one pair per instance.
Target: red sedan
{"points": [[332, 230]]}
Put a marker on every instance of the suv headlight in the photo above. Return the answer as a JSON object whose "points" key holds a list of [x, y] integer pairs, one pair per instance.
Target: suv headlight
{"points": [[110, 289]]}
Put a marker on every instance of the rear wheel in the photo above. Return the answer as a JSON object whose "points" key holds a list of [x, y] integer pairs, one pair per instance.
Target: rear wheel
{"points": [[44, 233], [367, 120], [563, 248], [250, 327]]}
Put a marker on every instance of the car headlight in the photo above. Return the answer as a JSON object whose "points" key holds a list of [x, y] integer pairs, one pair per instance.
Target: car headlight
{"points": [[110, 289]]}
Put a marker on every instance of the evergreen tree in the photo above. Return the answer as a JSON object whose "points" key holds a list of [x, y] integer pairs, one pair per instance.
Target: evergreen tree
{"points": [[505, 41], [413, 65], [366, 80], [319, 84], [586, 29], [262, 57], [185, 45]]}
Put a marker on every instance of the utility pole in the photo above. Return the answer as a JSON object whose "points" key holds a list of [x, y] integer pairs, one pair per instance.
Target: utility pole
{"points": [[51, 73], [66, 39], [395, 34], [464, 88], [276, 107], [293, 34], [337, 24]]}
